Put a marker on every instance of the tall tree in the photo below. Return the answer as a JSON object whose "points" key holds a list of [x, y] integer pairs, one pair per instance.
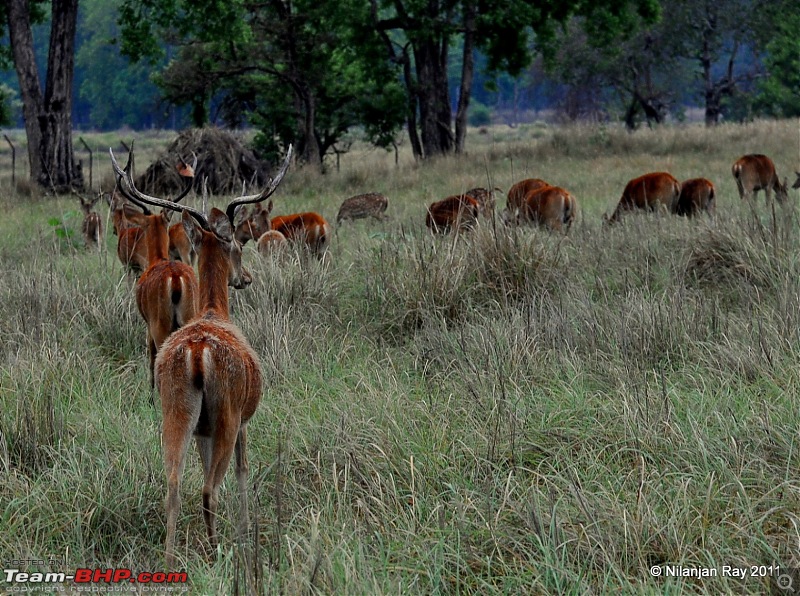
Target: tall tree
{"points": [[713, 34], [780, 89], [48, 112], [304, 71], [418, 34]]}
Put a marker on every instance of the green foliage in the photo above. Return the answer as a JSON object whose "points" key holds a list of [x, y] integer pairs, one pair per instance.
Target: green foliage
{"points": [[119, 92], [780, 91], [8, 105], [479, 114]]}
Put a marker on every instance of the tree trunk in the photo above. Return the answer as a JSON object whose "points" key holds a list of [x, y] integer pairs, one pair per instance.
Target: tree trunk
{"points": [[434, 97], [467, 71], [411, 87], [48, 119], [21, 38]]}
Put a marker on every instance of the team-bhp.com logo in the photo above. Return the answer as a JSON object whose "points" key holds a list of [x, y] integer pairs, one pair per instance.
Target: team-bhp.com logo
{"points": [[94, 576]]}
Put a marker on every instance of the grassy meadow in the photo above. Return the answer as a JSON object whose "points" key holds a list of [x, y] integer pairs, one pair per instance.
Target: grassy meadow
{"points": [[510, 411]]}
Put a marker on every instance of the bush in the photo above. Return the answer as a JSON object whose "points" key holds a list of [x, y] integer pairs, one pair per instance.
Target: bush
{"points": [[479, 114]]}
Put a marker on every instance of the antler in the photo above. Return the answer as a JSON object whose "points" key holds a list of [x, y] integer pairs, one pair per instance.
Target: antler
{"points": [[126, 173], [139, 198], [230, 211], [202, 219]]}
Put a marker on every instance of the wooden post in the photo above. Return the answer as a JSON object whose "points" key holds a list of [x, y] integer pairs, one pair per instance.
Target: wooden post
{"points": [[13, 161], [91, 160]]}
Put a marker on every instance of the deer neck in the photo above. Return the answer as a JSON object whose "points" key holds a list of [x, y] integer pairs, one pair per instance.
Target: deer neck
{"points": [[158, 240], [213, 267]]}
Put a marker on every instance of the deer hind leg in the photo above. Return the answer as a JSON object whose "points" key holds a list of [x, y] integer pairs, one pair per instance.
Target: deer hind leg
{"points": [[151, 351], [178, 428], [222, 446], [242, 471]]}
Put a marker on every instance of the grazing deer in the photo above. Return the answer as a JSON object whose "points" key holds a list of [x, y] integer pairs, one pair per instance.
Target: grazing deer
{"points": [[658, 191], [270, 242], [757, 172], [551, 207], [459, 212], [309, 228], [485, 199], [697, 195], [131, 249], [92, 226], [166, 292], [517, 193], [208, 376], [371, 204]]}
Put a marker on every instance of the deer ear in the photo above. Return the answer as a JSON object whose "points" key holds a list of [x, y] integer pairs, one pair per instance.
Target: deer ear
{"points": [[220, 224], [242, 214], [166, 214], [193, 232]]}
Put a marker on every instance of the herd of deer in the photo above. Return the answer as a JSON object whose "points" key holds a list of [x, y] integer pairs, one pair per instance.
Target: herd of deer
{"points": [[207, 375], [536, 201]]}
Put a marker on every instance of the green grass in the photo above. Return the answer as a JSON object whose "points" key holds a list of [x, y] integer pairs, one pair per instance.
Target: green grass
{"points": [[509, 412]]}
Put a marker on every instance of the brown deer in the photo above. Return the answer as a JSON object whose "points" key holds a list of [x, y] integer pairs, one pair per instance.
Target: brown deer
{"points": [[459, 212], [131, 249], [697, 195], [92, 226], [371, 204], [208, 376], [166, 292], [180, 249], [308, 228], [517, 193], [270, 242], [757, 172], [551, 207], [658, 191]]}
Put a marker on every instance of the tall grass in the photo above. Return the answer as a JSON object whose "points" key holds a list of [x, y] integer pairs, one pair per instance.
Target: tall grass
{"points": [[510, 411]]}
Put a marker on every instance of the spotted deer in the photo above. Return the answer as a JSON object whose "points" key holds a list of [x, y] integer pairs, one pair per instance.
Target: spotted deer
{"points": [[371, 204], [92, 225]]}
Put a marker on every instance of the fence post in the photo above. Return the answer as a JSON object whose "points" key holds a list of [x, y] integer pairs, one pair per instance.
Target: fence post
{"points": [[91, 160], [13, 161]]}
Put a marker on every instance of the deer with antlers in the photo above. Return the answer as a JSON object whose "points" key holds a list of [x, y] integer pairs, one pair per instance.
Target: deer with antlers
{"points": [[167, 291], [208, 376]]}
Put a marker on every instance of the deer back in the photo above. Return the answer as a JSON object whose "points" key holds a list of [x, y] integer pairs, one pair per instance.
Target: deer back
{"points": [[458, 211], [371, 204], [697, 195]]}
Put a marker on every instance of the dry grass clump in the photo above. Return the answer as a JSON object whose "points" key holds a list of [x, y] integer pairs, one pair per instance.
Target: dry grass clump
{"points": [[222, 159], [724, 260]]}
